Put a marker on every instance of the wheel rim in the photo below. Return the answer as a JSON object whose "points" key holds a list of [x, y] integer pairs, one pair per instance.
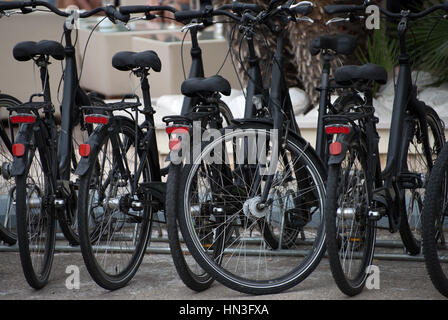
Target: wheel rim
{"points": [[246, 256]]}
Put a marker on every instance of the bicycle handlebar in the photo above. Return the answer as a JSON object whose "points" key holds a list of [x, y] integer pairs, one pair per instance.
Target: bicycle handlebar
{"points": [[336, 8], [145, 9], [110, 11]]}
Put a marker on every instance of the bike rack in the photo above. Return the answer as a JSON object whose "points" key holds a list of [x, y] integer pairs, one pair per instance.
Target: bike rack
{"points": [[385, 245]]}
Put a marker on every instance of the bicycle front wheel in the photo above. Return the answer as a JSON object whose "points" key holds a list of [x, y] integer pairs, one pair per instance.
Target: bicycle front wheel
{"points": [[435, 224], [250, 245], [115, 214], [416, 162]]}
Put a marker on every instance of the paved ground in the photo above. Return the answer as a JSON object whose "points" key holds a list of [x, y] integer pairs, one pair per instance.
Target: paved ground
{"points": [[157, 280]]}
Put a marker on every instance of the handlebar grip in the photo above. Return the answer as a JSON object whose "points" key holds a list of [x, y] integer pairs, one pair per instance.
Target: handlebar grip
{"points": [[303, 9], [188, 15], [343, 8], [240, 6], [9, 5], [133, 9]]}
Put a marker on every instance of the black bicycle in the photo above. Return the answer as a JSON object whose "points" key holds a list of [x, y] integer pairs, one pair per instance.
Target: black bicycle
{"points": [[120, 177], [251, 200], [8, 230], [358, 192], [44, 159]]}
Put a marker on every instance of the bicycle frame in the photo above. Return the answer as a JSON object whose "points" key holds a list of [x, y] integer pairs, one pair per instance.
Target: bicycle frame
{"points": [[73, 96], [404, 100]]}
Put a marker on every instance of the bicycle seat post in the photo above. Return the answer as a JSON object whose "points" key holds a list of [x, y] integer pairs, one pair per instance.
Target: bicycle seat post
{"points": [[42, 62]]}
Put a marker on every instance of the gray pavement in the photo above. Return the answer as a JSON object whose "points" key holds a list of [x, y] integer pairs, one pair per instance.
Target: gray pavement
{"points": [[157, 280]]}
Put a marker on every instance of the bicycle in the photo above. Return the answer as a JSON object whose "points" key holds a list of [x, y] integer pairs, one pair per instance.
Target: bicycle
{"points": [[43, 156], [252, 197], [358, 193], [138, 174], [8, 232]]}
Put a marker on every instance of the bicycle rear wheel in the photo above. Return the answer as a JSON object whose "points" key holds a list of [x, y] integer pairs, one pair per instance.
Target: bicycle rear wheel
{"points": [[8, 225], [234, 240], [111, 210], [192, 275], [35, 216], [350, 233]]}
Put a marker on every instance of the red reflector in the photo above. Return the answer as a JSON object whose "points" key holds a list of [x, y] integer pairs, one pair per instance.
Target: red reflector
{"points": [[96, 119], [23, 119], [175, 144], [18, 149], [335, 148], [174, 129], [84, 150], [337, 129]]}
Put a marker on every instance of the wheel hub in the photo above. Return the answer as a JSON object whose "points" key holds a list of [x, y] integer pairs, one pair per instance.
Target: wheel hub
{"points": [[253, 208]]}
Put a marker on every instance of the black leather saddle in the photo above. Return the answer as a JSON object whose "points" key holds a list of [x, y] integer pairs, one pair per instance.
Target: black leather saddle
{"points": [[346, 75], [27, 50], [339, 43], [128, 60], [205, 86]]}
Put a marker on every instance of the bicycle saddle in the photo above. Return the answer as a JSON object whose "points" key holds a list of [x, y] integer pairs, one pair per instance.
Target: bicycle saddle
{"points": [[346, 75], [128, 60], [340, 43], [205, 86], [27, 50]]}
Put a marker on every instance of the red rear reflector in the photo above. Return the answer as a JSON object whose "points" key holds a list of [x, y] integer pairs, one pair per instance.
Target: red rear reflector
{"points": [[23, 119], [175, 129], [96, 119], [337, 129], [175, 144], [84, 150], [335, 148], [18, 149]]}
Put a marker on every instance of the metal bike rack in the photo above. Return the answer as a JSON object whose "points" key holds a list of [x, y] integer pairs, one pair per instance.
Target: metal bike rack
{"points": [[385, 245]]}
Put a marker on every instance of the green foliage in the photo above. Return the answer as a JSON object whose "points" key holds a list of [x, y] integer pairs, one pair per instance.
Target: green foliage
{"points": [[430, 47], [380, 49]]}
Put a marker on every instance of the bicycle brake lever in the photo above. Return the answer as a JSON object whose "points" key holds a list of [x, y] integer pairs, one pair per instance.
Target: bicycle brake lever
{"points": [[306, 19], [337, 19], [191, 25]]}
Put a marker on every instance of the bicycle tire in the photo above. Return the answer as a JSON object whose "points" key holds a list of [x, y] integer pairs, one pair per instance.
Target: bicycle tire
{"points": [[338, 242], [434, 219], [225, 234], [190, 273], [35, 218], [188, 270], [113, 226], [410, 223], [8, 232]]}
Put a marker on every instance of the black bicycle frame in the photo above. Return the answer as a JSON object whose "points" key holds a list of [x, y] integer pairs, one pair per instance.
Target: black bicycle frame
{"points": [[72, 95], [404, 100]]}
